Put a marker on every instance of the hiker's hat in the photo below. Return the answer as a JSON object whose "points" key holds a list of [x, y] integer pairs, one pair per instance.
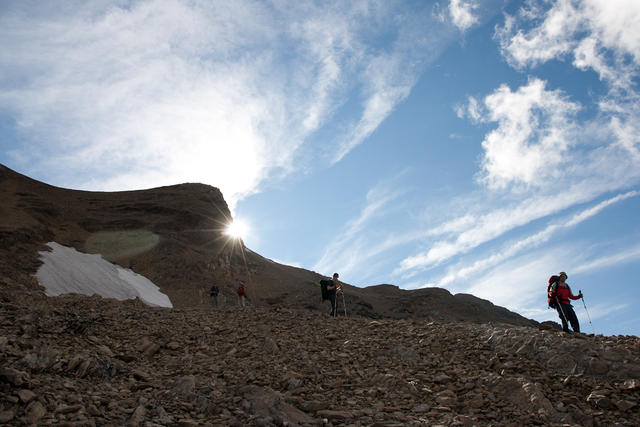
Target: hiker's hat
{"points": [[562, 273]]}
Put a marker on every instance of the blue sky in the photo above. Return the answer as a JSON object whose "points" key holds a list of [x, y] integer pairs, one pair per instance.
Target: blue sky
{"points": [[476, 145]]}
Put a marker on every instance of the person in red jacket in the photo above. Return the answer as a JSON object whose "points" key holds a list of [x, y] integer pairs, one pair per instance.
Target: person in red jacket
{"points": [[242, 294], [561, 292]]}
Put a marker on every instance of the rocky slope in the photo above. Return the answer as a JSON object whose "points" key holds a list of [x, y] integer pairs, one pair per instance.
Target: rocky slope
{"points": [[79, 361], [174, 237]]}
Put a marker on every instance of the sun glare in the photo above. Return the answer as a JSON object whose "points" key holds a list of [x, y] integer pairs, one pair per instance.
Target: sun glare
{"points": [[237, 230]]}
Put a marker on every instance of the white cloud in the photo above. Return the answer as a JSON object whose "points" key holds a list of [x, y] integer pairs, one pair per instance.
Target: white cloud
{"points": [[473, 231], [624, 124], [390, 75], [598, 37], [462, 13], [164, 91], [550, 39], [351, 248], [591, 31], [388, 87], [474, 109], [511, 249], [588, 213], [622, 257], [534, 132]]}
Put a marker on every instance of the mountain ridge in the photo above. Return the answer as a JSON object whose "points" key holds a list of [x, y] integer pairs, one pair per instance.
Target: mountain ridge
{"points": [[174, 236]]}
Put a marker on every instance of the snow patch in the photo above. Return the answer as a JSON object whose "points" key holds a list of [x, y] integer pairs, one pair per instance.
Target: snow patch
{"points": [[67, 271]]}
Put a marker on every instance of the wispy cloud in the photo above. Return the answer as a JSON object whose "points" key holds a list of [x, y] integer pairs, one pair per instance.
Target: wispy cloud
{"points": [[470, 231], [165, 91], [352, 247], [389, 85], [533, 241], [390, 75], [622, 257], [517, 283]]}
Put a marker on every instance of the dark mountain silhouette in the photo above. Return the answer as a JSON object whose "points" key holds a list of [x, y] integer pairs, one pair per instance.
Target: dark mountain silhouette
{"points": [[175, 237]]}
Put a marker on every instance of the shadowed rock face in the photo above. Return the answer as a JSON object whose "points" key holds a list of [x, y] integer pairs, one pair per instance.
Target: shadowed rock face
{"points": [[174, 237]]}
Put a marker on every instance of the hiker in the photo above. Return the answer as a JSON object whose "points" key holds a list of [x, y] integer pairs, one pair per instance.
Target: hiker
{"points": [[561, 293], [242, 293], [333, 289], [213, 295]]}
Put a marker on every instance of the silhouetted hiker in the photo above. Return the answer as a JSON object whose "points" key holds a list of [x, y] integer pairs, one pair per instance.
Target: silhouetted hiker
{"points": [[561, 293], [242, 293], [332, 290], [213, 295]]}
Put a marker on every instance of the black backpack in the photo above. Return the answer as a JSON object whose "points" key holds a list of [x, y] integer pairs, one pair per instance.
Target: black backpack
{"points": [[551, 297], [323, 289]]}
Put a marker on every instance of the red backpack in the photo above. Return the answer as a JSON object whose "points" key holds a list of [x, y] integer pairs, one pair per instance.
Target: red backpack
{"points": [[551, 296]]}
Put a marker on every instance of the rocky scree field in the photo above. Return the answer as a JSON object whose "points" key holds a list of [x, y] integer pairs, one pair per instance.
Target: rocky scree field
{"points": [[78, 361]]}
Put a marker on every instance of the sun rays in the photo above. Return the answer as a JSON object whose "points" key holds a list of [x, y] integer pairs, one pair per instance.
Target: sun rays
{"points": [[237, 229]]}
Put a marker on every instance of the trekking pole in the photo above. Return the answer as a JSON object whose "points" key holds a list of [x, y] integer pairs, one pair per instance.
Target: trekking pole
{"points": [[344, 305], [587, 311], [562, 312], [335, 305]]}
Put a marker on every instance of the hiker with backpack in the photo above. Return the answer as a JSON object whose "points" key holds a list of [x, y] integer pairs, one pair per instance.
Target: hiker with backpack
{"points": [[558, 296], [330, 289], [242, 293], [213, 295]]}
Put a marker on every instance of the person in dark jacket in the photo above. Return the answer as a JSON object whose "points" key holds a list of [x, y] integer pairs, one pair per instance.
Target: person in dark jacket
{"points": [[333, 290], [213, 295], [562, 294]]}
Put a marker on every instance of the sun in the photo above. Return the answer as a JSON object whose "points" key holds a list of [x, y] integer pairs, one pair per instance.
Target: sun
{"points": [[237, 229]]}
